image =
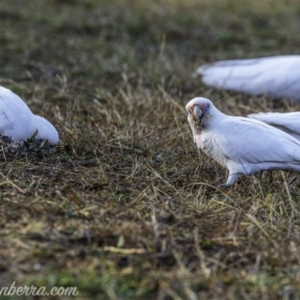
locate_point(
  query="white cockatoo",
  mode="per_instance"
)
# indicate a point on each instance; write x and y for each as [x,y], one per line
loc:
[19,123]
[288,122]
[244,146]
[276,76]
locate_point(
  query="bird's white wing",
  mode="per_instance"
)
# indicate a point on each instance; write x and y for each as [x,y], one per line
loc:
[9,101]
[277,76]
[289,122]
[247,140]
[15,115]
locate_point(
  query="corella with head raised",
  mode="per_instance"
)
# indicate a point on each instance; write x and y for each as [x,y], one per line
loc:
[244,146]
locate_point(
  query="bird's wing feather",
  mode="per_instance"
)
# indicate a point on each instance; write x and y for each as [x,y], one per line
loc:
[290,122]
[15,115]
[247,140]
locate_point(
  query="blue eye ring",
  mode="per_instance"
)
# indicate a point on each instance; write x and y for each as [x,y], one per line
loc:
[207,109]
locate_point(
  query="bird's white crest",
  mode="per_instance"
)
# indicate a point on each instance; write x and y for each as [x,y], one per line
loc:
[244,146]
[277,76]
[19,123]
[288,122]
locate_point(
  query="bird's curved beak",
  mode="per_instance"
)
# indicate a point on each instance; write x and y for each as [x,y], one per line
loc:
[195,113]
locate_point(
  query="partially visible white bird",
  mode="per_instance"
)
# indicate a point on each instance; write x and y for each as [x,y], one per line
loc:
[288,122]
[244,146]
[276,76]
[19,123]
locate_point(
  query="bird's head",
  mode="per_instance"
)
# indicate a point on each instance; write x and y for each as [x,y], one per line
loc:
[199,112]
[45,130]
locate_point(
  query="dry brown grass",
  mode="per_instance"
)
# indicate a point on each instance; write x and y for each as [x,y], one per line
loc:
[127,208]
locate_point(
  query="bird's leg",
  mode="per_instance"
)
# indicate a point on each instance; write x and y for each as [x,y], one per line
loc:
[270,173]
[231,180]
[258,175]
[223,186]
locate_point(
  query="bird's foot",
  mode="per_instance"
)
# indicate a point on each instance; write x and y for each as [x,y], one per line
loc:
[223,186]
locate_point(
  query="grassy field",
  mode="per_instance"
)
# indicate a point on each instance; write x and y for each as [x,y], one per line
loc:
[127,208]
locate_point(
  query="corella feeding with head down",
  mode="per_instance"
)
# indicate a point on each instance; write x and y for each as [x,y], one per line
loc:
[244,146]
[19,123]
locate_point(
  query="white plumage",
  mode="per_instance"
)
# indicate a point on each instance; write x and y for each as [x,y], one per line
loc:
[19,123]
[244,146]
[288,122]
[277,76]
